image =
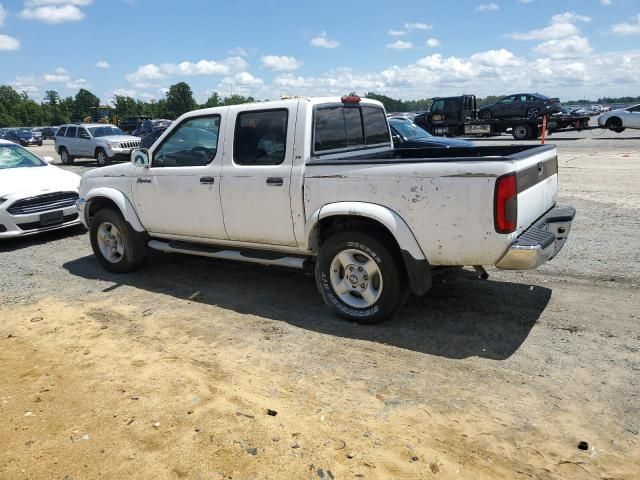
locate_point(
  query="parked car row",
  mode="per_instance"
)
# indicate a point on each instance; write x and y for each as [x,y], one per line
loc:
[22,136]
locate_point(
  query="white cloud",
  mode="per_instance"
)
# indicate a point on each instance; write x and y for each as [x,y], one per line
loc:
[561,26]
[149,72]
[570,17]
[323,41]
[433,42]
[3,15]
[238,52]
[397,33]
[77,84]
[627,28]
[280,63]
[102,64]
[60,75]
[400,45]
[146,72]
[417,26]
[53,13]
[487,7]
[606,3]
[568,47]
[9,43]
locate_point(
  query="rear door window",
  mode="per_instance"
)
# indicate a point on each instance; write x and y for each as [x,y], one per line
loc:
[71,132]
[261,137]
[61,131]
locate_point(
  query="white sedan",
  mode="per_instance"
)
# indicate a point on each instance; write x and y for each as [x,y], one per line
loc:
[618,120]
[34,196]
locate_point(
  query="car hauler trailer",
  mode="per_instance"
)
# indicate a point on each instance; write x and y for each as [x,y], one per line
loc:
[456,116]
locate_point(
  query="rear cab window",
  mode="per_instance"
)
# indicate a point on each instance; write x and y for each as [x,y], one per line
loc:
[342,127]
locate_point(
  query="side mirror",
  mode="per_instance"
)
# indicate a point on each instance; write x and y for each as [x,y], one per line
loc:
[140,157]
[396,138]
[48,159]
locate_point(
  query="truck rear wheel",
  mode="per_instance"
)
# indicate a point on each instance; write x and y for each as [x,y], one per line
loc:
[521,132]
[359,278]
[117,246]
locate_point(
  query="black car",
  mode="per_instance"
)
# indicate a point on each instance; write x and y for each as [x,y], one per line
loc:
[407,134]
[23,136]
[521,105]
[150,138]
[129,124]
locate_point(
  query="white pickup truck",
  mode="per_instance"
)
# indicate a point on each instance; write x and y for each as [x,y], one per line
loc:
[316,182]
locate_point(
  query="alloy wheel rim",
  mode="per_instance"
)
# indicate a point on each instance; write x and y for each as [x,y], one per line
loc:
[110,242]
[356,278]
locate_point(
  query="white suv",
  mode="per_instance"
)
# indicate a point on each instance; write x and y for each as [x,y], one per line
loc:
[103,142]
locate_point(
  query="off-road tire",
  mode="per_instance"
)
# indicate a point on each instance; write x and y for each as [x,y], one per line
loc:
[134,243]
[394,291]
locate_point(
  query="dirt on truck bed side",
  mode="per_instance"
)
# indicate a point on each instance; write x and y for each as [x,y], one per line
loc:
[204,369]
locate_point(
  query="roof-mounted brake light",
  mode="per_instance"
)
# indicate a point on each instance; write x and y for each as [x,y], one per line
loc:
[351,98]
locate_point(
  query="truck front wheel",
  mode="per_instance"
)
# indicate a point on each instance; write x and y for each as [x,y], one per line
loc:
[117,246]
[359,278]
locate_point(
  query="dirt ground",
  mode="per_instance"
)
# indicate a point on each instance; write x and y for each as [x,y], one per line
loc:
[202,369]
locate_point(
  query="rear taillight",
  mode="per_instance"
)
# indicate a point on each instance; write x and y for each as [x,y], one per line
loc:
[506,204]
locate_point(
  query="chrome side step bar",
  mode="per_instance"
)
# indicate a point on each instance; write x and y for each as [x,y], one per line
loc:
[252,256]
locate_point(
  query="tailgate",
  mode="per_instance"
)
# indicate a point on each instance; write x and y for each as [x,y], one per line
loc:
[537,183]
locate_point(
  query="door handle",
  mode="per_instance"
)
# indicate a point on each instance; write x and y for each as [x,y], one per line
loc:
[275,181]
[207,180]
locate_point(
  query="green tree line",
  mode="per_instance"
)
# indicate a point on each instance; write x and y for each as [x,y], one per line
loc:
[20,110]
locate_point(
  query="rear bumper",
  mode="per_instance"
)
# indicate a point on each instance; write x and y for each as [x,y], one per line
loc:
[541,242]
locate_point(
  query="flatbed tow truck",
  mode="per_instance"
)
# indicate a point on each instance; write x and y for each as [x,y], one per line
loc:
[457,116]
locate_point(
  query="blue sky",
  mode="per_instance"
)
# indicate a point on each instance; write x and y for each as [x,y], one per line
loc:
[267,48]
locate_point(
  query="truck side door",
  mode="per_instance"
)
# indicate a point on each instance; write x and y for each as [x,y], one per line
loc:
[179,193]
[256,175]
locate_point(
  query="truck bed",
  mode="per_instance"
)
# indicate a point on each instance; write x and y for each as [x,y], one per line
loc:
[505,153]
[444,195]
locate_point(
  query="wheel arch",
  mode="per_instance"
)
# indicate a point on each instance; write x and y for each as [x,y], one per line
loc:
[110,197]
[344,215]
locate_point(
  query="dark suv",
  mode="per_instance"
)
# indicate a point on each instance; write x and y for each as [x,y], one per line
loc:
[521,105]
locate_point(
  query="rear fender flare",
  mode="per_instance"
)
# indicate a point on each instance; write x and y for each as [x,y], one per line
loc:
[121,201]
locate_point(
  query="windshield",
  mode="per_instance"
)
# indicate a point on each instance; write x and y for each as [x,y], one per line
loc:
[14,156]
[105,131]
[409,130]
[25,131]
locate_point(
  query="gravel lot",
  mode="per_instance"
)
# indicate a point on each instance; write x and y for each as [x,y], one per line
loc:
[134,376]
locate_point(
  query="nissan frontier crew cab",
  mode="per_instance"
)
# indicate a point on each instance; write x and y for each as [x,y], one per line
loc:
[316,182]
